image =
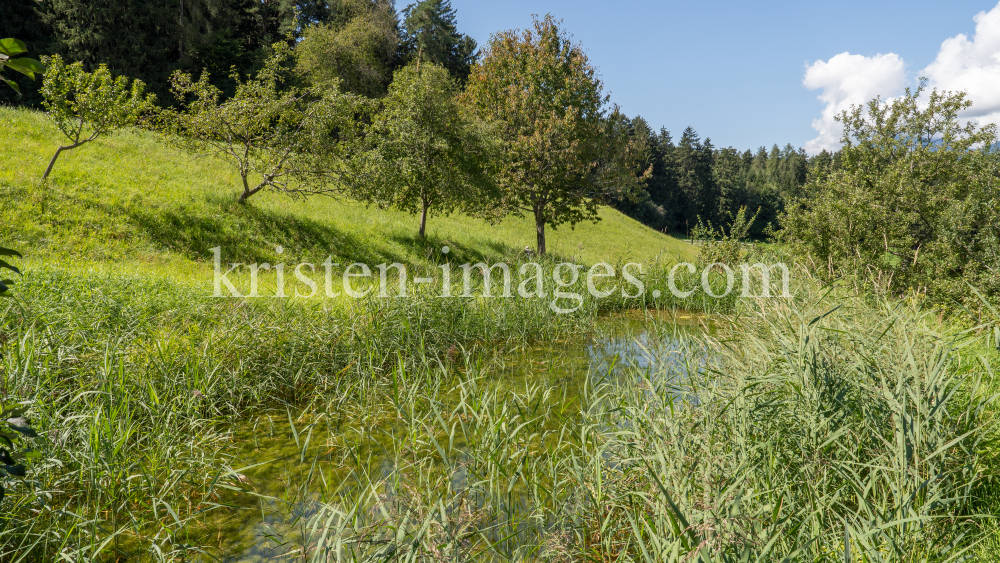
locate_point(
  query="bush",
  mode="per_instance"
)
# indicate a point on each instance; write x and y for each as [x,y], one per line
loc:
[915,202]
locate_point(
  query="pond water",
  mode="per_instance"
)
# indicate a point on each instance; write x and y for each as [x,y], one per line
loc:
[278,528]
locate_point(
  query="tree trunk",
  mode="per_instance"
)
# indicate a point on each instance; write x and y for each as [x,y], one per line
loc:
[53,162]
[247,192]
[423,221]
[540,232]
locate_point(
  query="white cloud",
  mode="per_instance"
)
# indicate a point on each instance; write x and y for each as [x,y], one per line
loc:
[962,64]
[848,80]
[972,66]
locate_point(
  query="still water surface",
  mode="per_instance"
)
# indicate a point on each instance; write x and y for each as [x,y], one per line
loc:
[646,344]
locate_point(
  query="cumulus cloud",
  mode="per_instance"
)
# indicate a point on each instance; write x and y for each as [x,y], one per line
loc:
[962,64]
[972,66]
[848,80]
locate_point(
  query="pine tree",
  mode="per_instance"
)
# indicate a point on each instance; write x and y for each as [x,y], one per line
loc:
[640,205]
[431,34]
[135,39]
[149,39]
[695,187]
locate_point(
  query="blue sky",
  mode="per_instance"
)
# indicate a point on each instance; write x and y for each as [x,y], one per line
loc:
[734,70]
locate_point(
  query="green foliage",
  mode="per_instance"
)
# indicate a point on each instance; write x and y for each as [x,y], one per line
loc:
[546,102]
[21,21]
[277,136]
[9,51]
[693,161]
[149,40]
[134,39]
[5,254]
[692,179]
[431,34]
[915,201]
[356,49]
[85,105]
[730,248]
[763,181]
[428,155]
[14,452]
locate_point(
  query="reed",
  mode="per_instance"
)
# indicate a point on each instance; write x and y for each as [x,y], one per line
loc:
[835,427]
[833,430]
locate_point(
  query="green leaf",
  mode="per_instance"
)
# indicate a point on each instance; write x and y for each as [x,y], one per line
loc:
[11,410]
[14,470]
[11,47]
[26,66]
[10,267]
[12,84]
[21,425]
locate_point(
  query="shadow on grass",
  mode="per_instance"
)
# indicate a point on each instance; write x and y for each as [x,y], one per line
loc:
[430,247]
[247,233]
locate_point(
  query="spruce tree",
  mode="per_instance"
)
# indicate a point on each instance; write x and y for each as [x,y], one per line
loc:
[431,34]
[640,205]
[696,190]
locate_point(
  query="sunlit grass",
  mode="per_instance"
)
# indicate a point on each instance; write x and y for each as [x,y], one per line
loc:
[134,197]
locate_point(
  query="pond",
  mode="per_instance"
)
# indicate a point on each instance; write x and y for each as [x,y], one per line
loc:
[293,448]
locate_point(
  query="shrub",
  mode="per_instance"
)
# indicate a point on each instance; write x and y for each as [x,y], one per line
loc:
[915,202]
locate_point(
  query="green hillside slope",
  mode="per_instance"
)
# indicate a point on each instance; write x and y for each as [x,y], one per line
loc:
[135,201]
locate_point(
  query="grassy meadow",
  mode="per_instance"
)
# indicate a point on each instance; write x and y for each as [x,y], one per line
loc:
[131,198]
[839,425]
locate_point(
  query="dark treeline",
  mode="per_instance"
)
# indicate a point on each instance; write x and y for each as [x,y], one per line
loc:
[691,179]
[150,39]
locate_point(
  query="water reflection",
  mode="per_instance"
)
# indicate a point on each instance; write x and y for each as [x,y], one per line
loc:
[623,351]
[664,353]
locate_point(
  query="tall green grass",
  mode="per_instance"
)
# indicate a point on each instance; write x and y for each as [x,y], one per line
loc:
[835,425]
[830,429]
[137,384]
